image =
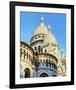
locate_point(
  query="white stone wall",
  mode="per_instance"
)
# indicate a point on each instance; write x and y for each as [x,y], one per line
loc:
[26,59]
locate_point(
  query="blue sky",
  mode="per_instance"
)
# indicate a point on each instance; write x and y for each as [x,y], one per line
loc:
[29,21]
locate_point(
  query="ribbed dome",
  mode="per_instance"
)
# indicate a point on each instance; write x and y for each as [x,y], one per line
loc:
[41,29]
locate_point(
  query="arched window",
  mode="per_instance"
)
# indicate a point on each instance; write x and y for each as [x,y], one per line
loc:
[43,36]
[46,63]
[44,75]
[35,37]
[39,48]
[27,55]
[54,75]
[35,48]
[27,73]
[24,54]
[45,50]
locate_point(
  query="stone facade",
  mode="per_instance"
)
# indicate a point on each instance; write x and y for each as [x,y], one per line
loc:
[43,57]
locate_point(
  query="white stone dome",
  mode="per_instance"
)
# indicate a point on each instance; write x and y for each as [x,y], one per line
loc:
[41,29]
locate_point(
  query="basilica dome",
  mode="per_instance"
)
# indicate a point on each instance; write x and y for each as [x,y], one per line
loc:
[41,29]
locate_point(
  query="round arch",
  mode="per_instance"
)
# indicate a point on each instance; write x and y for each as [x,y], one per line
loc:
[27,73]
[44,75]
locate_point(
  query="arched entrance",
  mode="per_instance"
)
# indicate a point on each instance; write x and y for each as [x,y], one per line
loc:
[43,75]
[27,73]
[54,75]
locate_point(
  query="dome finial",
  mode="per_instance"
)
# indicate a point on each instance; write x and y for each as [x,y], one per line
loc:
[62,50]
[49,27]
[42,21]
